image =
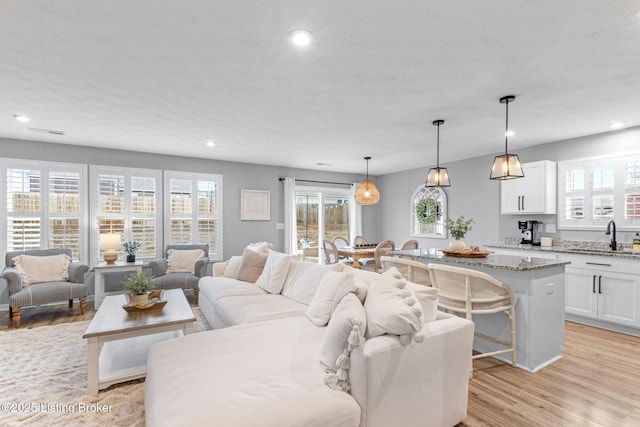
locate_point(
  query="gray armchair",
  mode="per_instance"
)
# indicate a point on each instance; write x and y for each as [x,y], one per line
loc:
[46,292]
[164,280]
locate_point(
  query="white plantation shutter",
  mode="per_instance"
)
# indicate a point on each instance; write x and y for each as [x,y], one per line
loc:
[64,211]
[24,211]
[44,206]
[195,210]
[126,202]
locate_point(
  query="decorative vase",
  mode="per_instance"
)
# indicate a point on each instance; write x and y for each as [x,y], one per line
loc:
[139,300]
[457,244]
[131,258]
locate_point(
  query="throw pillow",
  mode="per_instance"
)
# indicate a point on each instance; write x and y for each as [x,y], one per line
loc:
[393,309]
[303,280]
[319,311]
[260,247]
[233,265]
[251,266]
[353,286]
[344,333]
[428,299]
[183,260]
[274,273]
[426,295]
[38,269]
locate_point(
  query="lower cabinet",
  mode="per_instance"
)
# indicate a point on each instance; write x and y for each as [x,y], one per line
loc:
[595,292]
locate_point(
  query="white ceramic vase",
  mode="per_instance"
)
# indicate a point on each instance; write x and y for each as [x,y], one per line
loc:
[457,244]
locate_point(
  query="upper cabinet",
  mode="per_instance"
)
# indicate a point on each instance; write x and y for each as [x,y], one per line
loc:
[533,194]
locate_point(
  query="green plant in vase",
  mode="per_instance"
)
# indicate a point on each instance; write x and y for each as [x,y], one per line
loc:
[137,286]
[458,229]
[131,247]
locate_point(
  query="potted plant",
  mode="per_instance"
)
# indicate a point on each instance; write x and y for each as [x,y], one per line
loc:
[137,286]
[131,247]
[458,229]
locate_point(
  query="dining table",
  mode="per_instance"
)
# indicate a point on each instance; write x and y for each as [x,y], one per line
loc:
[357,253]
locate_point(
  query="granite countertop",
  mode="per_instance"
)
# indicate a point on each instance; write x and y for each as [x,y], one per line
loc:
[582,248]
[500,262]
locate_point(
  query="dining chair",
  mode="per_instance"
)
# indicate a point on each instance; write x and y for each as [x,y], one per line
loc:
[340,241]
[468,293]
[360,240]
[330,252]
[381,250]
[410,244]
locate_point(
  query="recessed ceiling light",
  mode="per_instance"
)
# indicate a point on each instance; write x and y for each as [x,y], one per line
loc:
[324,164]
[211,143]
[510,133]
[616,125]
[300,37]
[20,118]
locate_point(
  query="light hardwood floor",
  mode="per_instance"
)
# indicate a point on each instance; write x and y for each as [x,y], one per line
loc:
[596,383]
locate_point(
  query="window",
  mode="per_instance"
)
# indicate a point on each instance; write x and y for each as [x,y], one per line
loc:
[44,206]
[594,191]
[433,203]
[194,204]
[127,201]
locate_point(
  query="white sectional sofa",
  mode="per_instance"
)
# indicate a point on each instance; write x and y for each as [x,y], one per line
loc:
[260,366]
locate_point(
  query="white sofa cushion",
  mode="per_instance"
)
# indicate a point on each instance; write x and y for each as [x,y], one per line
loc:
[392,308]
[38,269]
[302,280]
[319,310]
[262,374]
[344,333]
[232,267]
[236,310]
[274,272]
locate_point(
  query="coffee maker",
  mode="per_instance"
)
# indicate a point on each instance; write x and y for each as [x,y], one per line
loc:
[530,232]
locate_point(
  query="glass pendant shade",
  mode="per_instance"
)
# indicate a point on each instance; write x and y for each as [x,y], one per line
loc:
[438,177]
[506,166]
[367,193]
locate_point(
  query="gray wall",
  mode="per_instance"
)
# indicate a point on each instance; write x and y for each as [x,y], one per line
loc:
[472,194]
[236,176]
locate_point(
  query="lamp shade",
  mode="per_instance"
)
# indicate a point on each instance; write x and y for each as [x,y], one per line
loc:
[438,177]
[367,193]
[506,166]
[109,242]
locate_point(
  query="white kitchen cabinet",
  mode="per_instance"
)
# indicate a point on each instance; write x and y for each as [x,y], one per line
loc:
[533,194]
[598,290]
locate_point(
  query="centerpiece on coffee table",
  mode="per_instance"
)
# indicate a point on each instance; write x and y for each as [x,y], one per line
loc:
[141,293]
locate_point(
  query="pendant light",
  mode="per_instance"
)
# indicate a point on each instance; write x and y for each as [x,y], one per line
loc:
[506,166]
[367,193]
[438,177]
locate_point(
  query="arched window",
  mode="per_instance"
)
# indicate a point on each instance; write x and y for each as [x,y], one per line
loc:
[428,212]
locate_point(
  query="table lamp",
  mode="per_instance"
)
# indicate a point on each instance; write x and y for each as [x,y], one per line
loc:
[109,243]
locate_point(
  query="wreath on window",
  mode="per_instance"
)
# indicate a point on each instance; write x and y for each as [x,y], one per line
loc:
[427,211]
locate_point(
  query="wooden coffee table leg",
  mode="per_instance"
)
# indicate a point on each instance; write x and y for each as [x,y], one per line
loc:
[92,365]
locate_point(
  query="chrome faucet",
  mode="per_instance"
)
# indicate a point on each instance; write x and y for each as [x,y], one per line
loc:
[613,245]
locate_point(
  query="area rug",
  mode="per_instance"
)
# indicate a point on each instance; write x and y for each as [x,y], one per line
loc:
[43,378]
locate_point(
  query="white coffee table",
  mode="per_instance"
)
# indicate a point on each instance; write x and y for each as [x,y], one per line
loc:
[126,338]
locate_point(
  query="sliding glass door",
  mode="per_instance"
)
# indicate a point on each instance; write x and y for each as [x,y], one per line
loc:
[321,214]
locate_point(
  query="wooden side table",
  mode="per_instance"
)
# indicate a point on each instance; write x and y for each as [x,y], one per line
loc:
[102,267]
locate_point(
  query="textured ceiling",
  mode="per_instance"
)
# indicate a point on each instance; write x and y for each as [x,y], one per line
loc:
[165,76]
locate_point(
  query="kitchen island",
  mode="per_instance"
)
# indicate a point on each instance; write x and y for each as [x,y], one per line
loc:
[538,287]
